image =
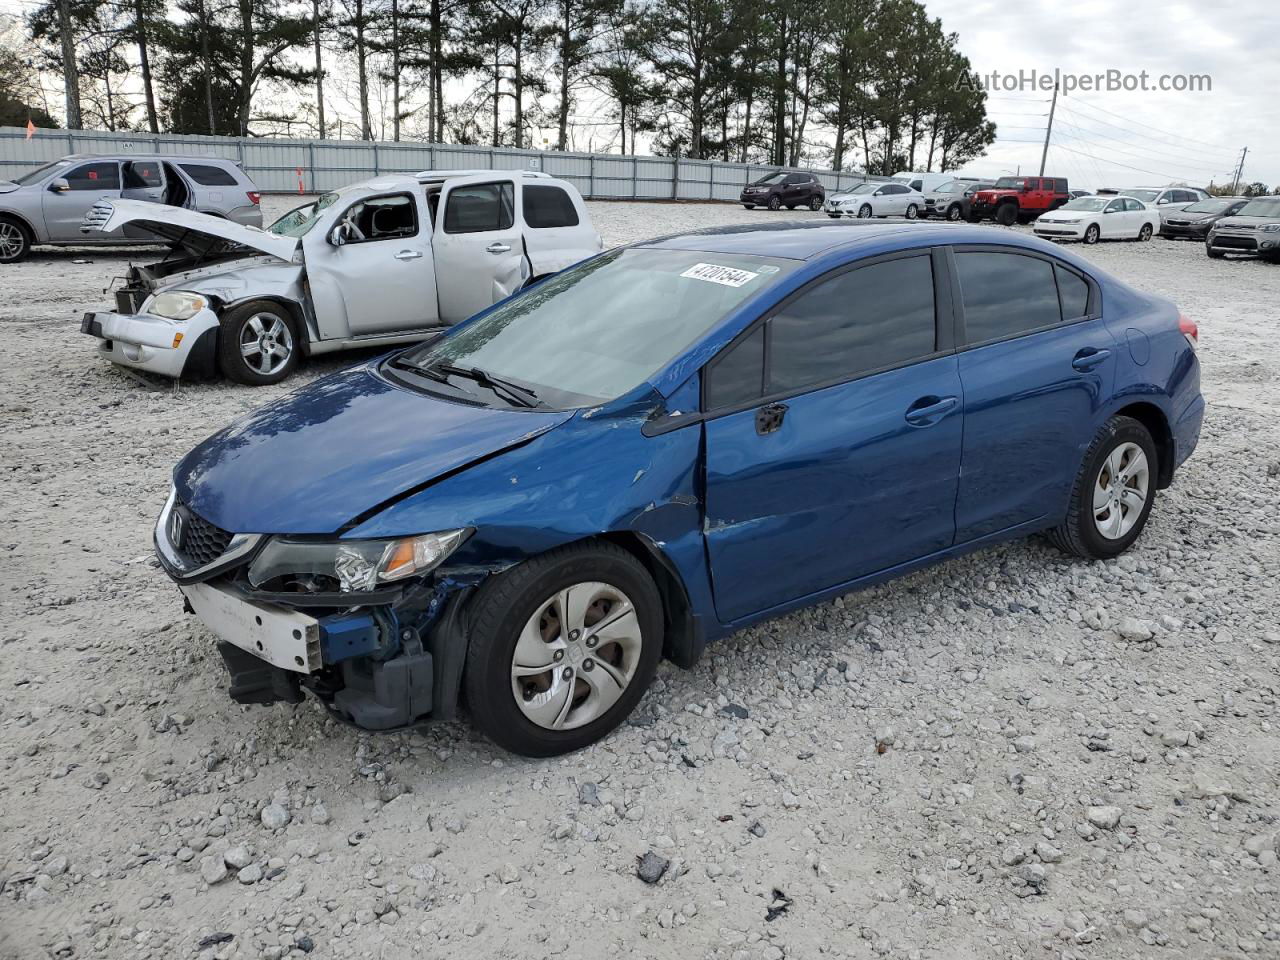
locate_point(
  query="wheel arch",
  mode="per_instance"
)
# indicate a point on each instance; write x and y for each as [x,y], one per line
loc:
[684,638]
[1157,424]
[23,222]
[294,308]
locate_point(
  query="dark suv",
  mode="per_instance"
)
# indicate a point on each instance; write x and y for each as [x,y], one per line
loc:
[780,189]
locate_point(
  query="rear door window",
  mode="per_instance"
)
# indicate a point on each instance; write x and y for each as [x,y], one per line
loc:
[547,206]
[142,173]
[1005,294]
[103,175]
[479,207]
[208,175]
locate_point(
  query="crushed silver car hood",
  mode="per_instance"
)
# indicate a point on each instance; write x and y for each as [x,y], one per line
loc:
[197,234]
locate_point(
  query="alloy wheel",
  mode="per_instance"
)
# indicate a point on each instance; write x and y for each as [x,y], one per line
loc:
[864,213]
[12,240]
[576,656]
[1121,490]
[265,343]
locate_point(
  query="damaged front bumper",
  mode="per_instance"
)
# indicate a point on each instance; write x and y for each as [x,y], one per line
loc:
[382,660]
[142,341]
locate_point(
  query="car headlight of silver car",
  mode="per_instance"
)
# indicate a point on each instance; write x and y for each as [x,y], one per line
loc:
[1270,228]
[354,566]
[177,304]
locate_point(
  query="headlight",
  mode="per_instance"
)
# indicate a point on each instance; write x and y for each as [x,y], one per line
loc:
[1270,228]
[1076,220]
[177,305]
[352,566]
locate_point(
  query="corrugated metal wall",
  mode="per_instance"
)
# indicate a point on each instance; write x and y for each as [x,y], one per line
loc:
[277,166]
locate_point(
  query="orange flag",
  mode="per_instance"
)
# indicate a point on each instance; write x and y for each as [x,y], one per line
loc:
[31,129]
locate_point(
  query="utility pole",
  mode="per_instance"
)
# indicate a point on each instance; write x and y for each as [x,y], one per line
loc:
[1235,184]
[315,10]
[70,71]
[1053,104]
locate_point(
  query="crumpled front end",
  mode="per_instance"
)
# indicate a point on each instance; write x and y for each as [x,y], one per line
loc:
[143,341]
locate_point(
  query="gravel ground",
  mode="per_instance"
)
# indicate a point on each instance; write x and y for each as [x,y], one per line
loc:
[1011,754]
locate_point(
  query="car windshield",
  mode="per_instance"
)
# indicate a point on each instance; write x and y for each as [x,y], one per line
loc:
[1208,206]
[1146,196]
[771,178]
[600,329]
[301,219]
[865,188]
[39,173]
[955,186]
[1262,207]
[1010,183]
[1086,203]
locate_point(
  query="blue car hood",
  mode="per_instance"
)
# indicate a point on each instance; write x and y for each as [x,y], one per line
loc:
[338,449]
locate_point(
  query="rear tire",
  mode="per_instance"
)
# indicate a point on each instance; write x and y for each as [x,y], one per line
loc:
[501,615]
[1006,214]
[912,211]
[1091,509]
[15,240]
[1145,233]
[815,203]
[258,343]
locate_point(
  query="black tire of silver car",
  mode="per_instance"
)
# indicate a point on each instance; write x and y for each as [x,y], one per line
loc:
[912,211]
[15,241]
[815,203]
[1113,492]
[954,212]
[864,212]
[257,343]
[1145,233]
[545,707]
[775,202]
[1007,214]
[1092,233]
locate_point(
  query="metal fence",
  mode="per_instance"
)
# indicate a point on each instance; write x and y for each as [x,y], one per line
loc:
[285,166]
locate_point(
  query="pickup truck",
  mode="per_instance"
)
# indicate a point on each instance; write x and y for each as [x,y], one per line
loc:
[382,262]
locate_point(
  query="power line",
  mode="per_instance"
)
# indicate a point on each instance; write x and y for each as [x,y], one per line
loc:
[1178,136]
[1213,161]
[1198,168]
[1117,163]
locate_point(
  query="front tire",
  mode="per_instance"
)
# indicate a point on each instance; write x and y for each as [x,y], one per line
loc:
[953,212]
[1006,214]
[15,241]
[1092,233]
[258,343]
[864,212]
[1113,492]
[562,648]
[775,203]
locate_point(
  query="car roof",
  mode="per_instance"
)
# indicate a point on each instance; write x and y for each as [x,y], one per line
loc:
[147,156]
[808,239]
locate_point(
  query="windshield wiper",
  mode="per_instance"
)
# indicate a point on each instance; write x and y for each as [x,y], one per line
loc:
[521,396]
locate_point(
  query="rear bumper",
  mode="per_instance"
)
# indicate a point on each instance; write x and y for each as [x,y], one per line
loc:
[142,341]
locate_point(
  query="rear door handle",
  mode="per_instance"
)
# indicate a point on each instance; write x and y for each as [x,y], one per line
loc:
[1089,358]
[409,255]
[927,411]
[498,247]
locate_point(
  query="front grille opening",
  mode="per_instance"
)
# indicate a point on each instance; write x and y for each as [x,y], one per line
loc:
[203,542]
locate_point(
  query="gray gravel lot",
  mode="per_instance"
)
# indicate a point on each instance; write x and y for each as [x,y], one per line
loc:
[1013,754]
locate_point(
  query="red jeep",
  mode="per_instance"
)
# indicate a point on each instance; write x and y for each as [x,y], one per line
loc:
[1018,199]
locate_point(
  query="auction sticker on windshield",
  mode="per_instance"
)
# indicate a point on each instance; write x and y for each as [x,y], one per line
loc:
[715,273]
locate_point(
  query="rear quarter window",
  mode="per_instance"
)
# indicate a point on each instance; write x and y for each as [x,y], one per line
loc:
[208,175]
[547,206]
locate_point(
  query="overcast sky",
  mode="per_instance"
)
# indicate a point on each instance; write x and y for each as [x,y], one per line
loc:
[1169,136]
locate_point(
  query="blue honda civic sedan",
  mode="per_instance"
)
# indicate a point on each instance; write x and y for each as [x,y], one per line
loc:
[664,444]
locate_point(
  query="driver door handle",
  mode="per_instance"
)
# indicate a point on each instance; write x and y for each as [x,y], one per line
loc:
[409,255]
[927,411]
[498,247]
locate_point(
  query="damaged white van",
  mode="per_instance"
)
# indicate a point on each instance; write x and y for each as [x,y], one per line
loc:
[382,262]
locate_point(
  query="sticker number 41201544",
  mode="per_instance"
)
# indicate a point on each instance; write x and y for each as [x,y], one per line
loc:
[715,273]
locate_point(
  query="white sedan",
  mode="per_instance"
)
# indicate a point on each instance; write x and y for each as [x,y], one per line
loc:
[877,200]
[1099,218]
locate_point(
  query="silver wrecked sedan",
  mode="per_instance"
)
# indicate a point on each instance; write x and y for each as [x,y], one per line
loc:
[47,205]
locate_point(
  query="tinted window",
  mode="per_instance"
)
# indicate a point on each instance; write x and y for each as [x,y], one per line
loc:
[484,206]
[917,184]
[737,375]
[143,173]
[381,218]
[862,320]
[95,176]
[1061,186]
[208,175]
[548,207]
[1005,294]
[1074,293]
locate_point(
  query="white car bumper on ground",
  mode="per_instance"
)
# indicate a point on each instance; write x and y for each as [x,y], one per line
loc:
[172,348]
[1057,230]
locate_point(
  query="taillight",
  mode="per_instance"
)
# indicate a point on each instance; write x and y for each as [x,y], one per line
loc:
[1189,330]
[254,197]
